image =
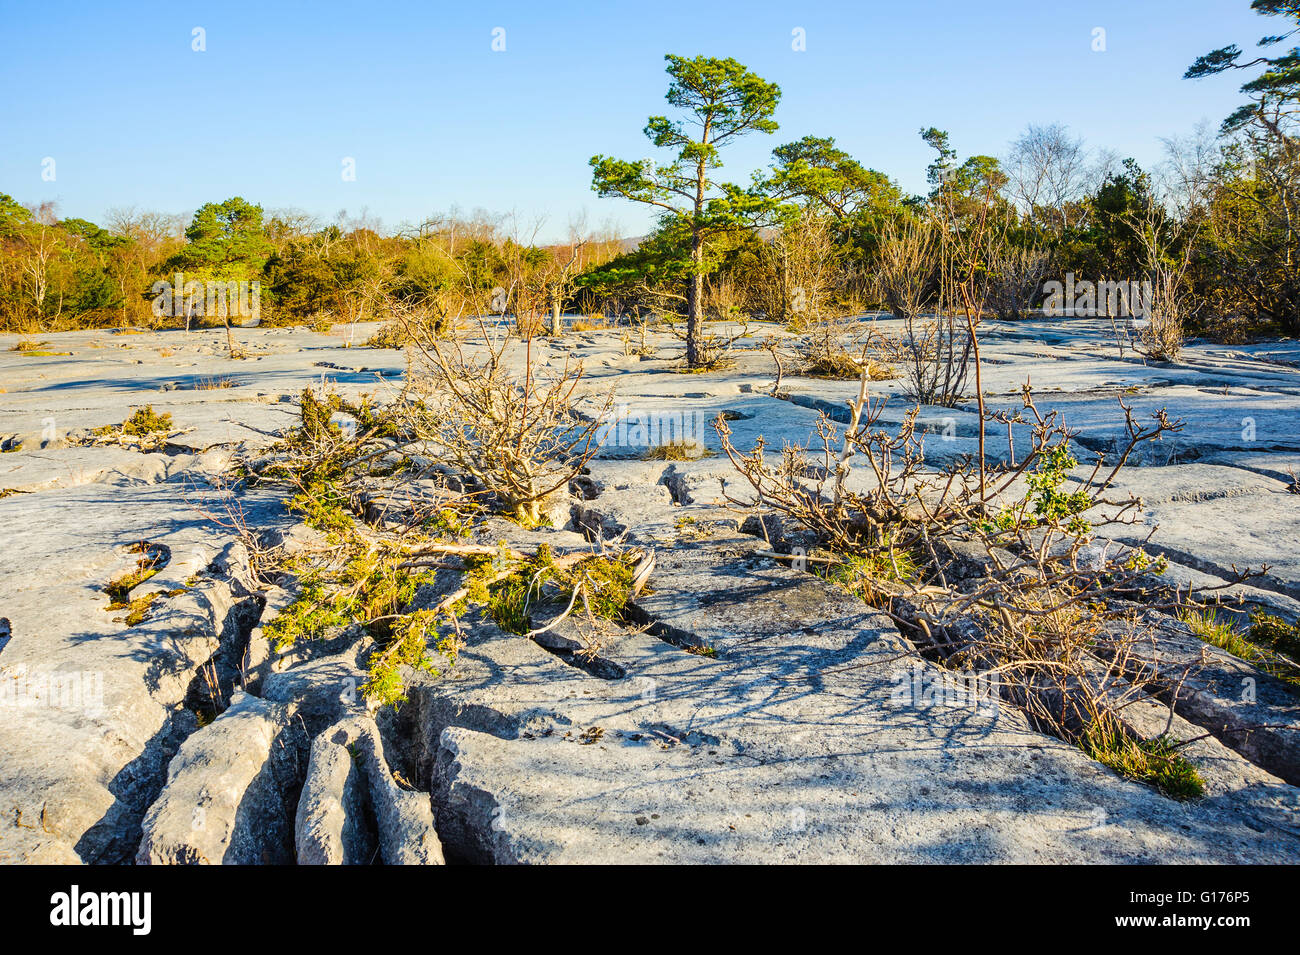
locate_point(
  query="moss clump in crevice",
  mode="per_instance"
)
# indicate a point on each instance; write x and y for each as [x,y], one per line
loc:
[137,608]
[1275,633]
[1155,762]
[679,450]
[146,421]
[119,589]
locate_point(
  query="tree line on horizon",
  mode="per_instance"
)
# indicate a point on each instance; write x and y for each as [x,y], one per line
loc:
[817,233]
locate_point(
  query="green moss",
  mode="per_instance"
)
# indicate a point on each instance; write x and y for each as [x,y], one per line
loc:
[316,412]
[119,589]
[1275,633]
[369,418]
[383,588]
[138,609]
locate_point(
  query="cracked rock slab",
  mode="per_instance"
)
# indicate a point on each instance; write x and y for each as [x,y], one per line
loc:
[802,739]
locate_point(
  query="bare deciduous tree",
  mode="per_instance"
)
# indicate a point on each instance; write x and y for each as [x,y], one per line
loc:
[908,261]
[1046,173]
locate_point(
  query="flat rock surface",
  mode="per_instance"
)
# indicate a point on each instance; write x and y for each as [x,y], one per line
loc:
[763,716]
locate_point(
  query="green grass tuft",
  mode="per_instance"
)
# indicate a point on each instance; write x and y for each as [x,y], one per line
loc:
[1153,761]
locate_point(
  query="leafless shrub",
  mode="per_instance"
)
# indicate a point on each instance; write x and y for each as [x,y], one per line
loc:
[1047,173]
[514,431]
[713,350]
[1168,258]
[799,272]
[642,348]
[908,261]
[993,568]
[1161,336]
[1015,274]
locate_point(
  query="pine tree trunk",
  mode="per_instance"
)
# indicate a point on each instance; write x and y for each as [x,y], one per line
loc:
[695,305]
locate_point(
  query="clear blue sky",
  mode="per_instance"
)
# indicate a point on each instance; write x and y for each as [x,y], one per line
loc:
[434,118]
